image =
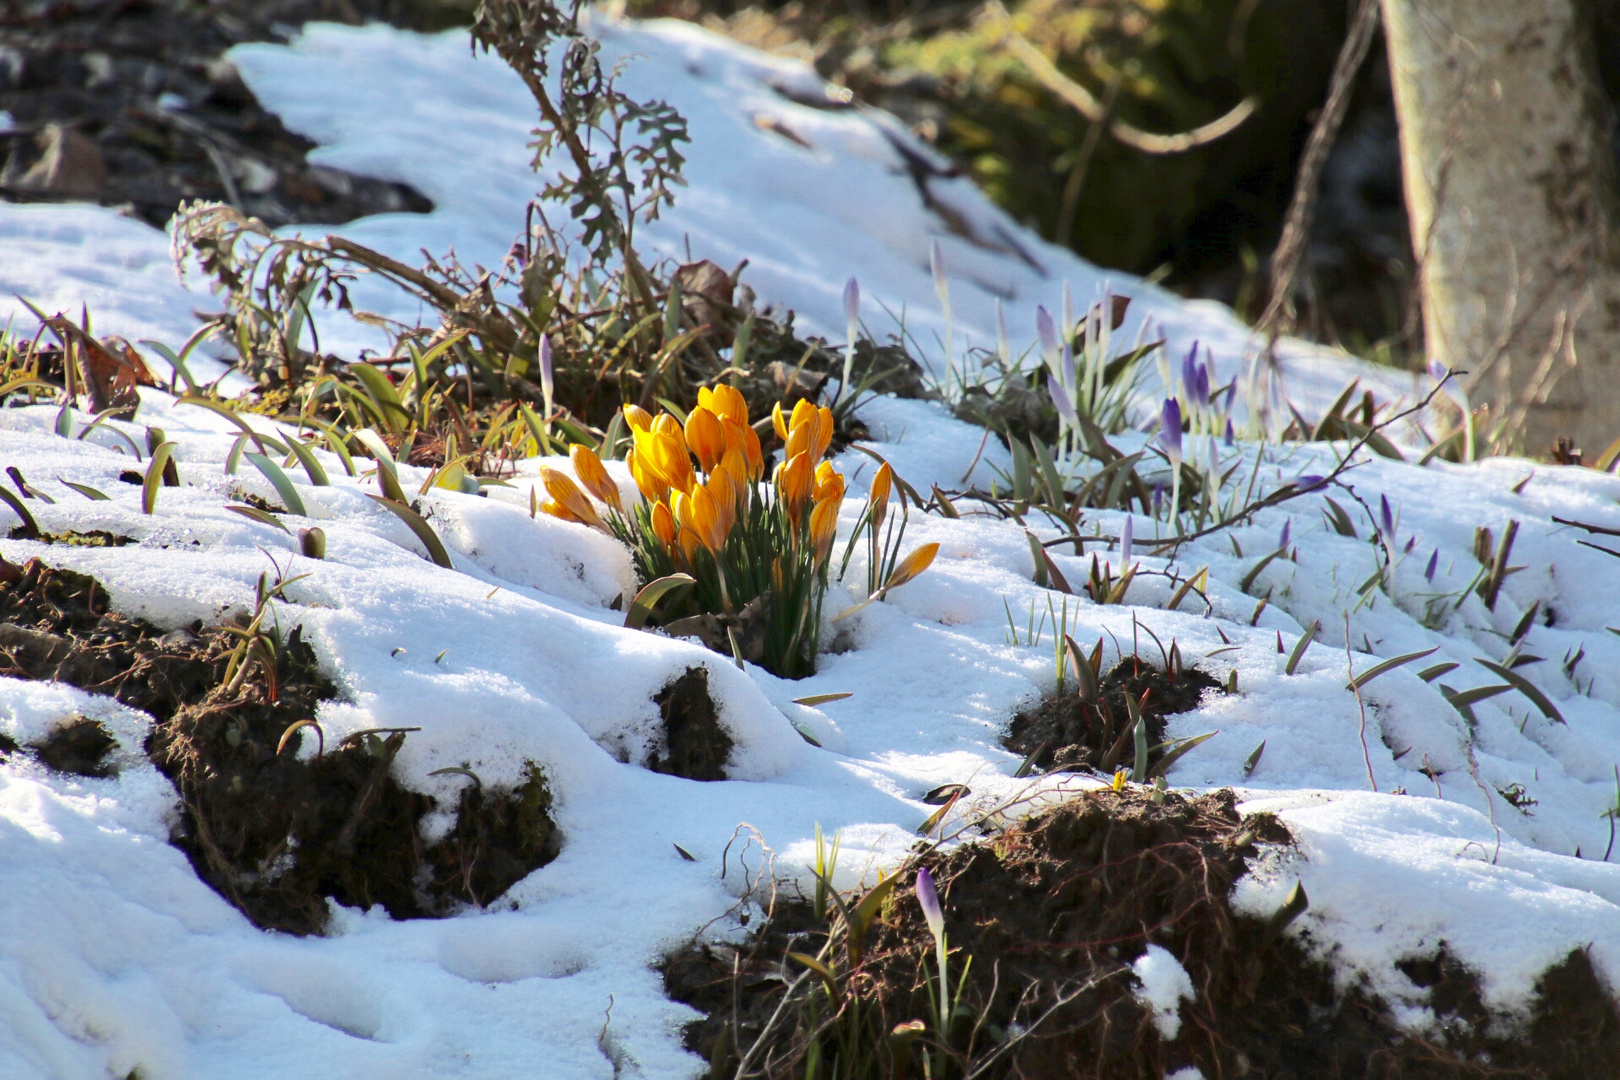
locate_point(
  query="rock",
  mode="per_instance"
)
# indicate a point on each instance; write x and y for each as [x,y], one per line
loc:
[70,165]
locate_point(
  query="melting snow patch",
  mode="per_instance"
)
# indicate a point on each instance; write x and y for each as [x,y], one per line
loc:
[1165,985]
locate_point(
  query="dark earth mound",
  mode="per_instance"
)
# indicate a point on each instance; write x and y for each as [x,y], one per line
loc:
[275,834]
[1053,911]
[130,103]
[695,744]
[1066,733]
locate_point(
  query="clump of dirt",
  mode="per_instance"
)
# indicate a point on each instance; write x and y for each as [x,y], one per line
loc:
[274,834]
[80,746]
[1068,733]
[695,744]
[1052,913]
[92,538]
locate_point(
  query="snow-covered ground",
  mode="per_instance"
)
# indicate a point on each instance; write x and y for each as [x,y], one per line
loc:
[118,958]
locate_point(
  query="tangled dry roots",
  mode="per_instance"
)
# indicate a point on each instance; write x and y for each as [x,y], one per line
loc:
[275,834]
[1054,910]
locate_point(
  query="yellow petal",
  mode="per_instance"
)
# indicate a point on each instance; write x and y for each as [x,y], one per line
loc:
[793,481]
[663,524]
[638,418]
[912,565]
[706,519]
[779,422]
[878,500]
[706,437]
[730,404]
[562,489]
[803,413]
[823,528]
[824,433]
[594,475]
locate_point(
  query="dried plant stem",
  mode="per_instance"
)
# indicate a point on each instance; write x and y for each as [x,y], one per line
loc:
[1361,704]
[1297,223]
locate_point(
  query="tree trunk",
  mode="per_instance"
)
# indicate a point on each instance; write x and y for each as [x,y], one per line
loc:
[1507,147]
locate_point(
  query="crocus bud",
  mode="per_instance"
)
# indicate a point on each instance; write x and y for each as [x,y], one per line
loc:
[936,263]
[1003,342]
[928,900]
[852,306]
[1282,537]
[1386,517]
[548,374]
[1060,399]
[1434,562]
[1046,331]
[1125,538]
[1170,431]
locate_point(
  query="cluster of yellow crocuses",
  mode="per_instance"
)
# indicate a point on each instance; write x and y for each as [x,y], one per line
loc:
[693,507]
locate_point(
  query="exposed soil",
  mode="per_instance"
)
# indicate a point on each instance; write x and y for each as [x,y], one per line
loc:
[695,745]
[274,834]
[1053,912]
[1067,733]
[79,746]
[130,103]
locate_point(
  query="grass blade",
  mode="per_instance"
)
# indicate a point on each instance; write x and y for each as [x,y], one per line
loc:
[822,699]
[1300,646]
[154,475]
[1253,759]
[641,608]
[1162,766]
[424,532]
[1388,665]
[30,527]
[87,491]
[263,517]
[312,468]
[281,482]
[1139,773]
[264,442]
[1528,689]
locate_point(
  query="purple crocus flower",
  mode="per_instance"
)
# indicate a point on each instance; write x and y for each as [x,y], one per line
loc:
[1437,370]
[1386,517]
[1068,364]
[1201,387]
[1231,436]
[1003,342]
[548,374]
[1411,542]
[852,306]
[1434,563]
[928,900]
[1046,330]
[1189,372]
[1310,482]
[1282,538]
[1125,543]
[1158,496]
[1170,431]
[936,263]
[1060,398]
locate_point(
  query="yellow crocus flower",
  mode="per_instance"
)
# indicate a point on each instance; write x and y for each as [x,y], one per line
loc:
[793,482]
[594,475]
[638,418]
[706,437]
[823,528]
[663,524]
[562,489]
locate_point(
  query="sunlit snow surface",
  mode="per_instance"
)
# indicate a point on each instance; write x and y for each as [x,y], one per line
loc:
[117,957]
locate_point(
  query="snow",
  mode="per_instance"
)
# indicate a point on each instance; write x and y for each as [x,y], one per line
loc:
[119,958]
[1165,984]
